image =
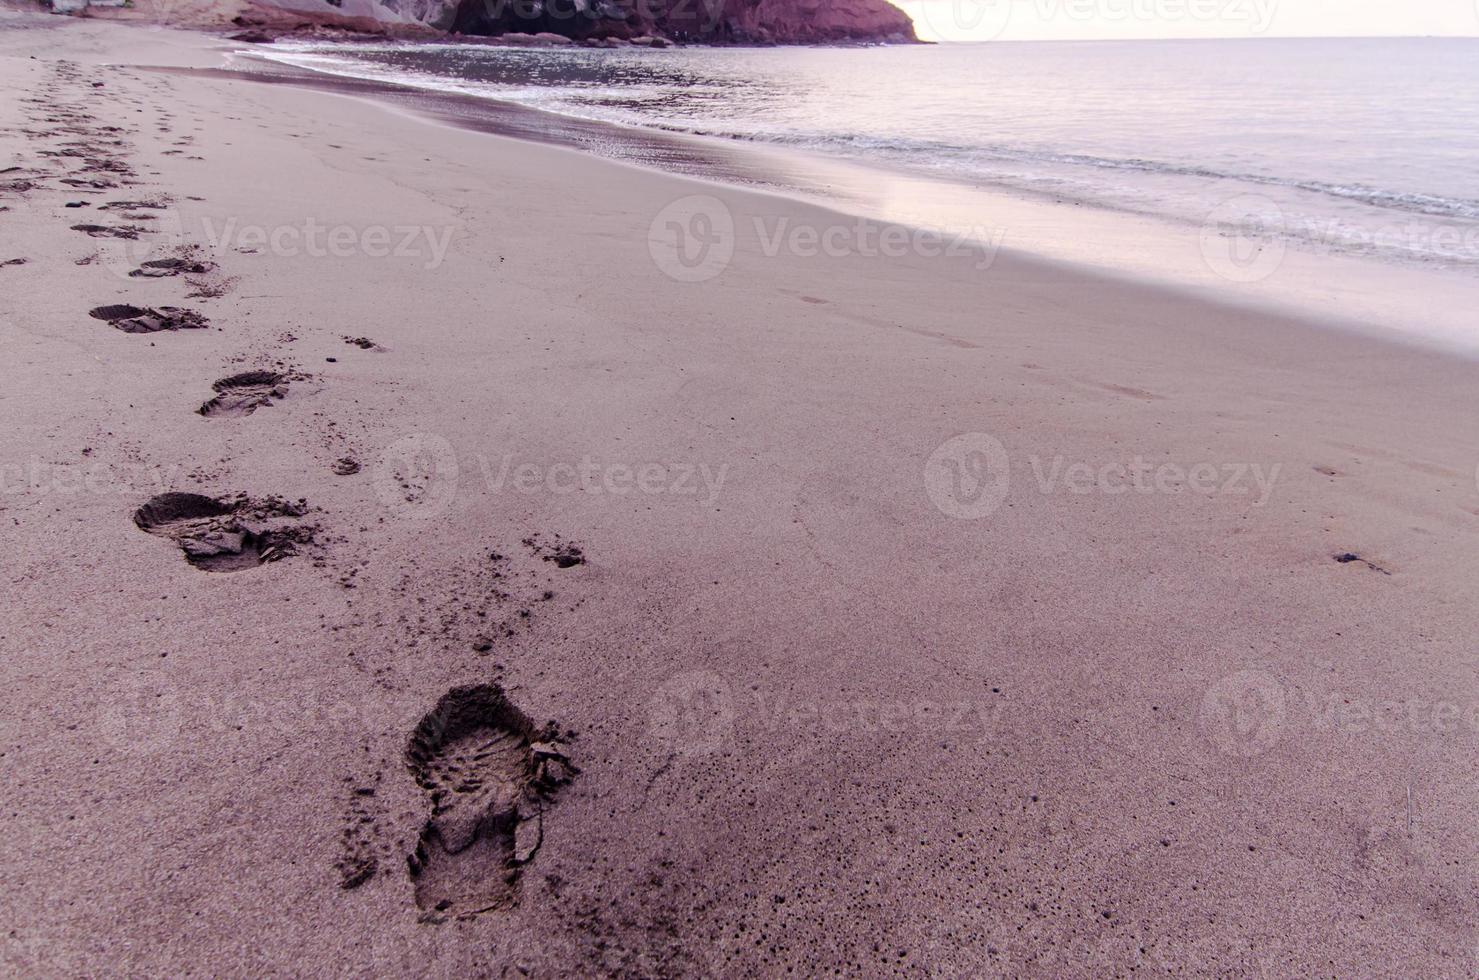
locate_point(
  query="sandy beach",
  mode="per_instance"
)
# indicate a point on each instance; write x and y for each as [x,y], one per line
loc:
[549,603]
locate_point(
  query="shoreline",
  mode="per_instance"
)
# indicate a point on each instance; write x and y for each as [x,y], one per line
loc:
[1116,700]
[1408,302]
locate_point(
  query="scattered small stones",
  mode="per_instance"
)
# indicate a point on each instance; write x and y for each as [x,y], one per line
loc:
[347,466]
[565,554]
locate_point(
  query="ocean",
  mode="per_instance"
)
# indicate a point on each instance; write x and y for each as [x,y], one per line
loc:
[1356,150]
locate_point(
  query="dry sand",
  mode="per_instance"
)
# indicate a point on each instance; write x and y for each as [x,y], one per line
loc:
[842,698]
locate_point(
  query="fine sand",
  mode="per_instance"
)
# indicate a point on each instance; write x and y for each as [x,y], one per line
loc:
[406,574]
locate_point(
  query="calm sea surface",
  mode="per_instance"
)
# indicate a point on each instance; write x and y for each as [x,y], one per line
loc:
[1362,148]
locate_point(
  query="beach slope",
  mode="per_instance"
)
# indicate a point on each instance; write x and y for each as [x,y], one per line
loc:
[440,568]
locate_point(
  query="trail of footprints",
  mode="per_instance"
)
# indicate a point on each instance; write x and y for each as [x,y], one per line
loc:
[215,534]
[487,774]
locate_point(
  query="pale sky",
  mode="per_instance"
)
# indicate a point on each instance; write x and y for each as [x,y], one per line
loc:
[1025,20]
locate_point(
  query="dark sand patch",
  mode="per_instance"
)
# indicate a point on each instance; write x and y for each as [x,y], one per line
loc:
[1351,558]
[564,554]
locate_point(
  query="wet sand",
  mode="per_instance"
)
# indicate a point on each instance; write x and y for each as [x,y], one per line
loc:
[537,610]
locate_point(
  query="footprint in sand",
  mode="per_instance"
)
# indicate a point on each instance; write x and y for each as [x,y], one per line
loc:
[141,319]
[160,268]
[129,232]
[242,394]
[227,535]
[153,204]
[487,774]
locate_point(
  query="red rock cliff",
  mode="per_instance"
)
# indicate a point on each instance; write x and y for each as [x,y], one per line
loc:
[791,22]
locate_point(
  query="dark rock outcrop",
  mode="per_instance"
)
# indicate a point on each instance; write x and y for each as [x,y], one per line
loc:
[647,22]
[692,21]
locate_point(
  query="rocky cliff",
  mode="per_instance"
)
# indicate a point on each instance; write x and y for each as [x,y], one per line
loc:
[697,21]
[690,21]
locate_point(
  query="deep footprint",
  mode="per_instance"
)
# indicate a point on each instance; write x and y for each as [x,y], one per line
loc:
[160,268]
[243,394]
[226,535]
[141,319]
[488,775]
[103,231]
